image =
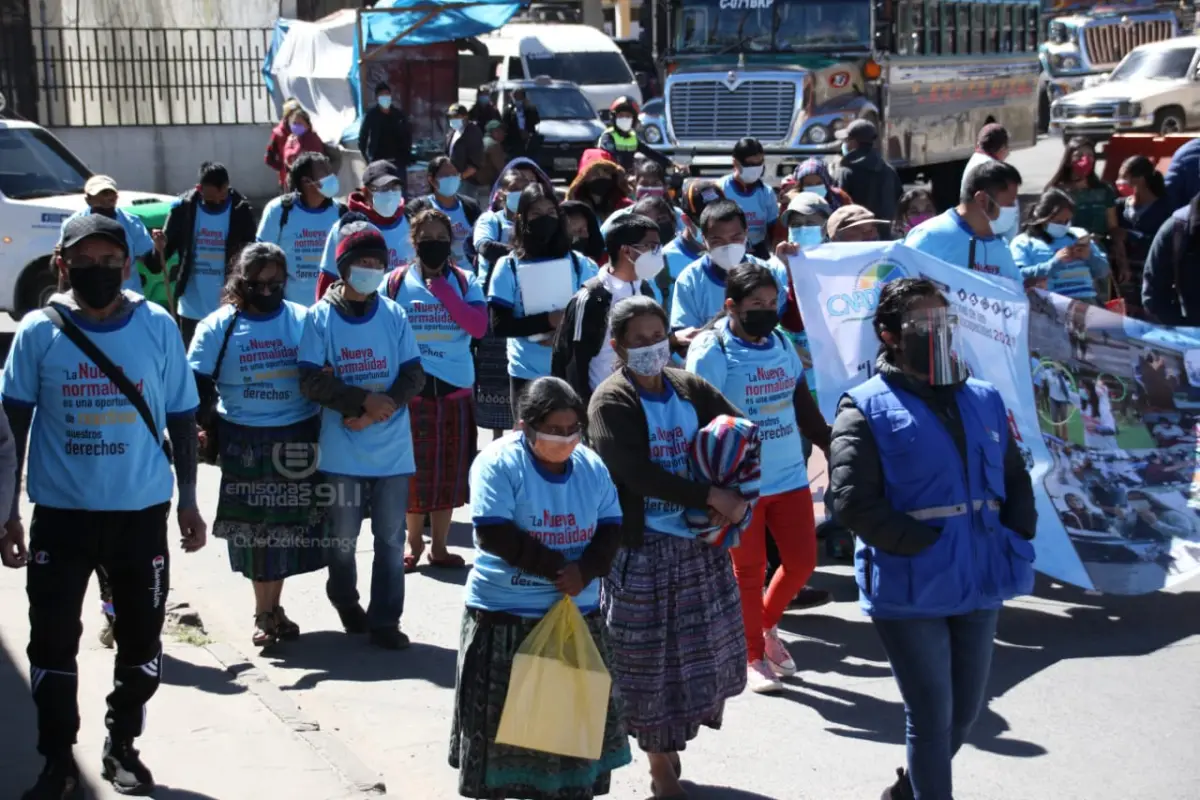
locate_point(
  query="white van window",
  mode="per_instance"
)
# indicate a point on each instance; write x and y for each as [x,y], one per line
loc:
[586,69]
[34,164]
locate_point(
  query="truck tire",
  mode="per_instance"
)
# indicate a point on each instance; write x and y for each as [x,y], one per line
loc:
[1169,120]
[34,288]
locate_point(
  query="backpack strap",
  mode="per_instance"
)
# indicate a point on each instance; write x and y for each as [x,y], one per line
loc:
[285,206]
[225,344]
[62,320]
[396,280]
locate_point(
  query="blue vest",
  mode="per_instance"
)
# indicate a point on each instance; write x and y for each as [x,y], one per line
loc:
[976,563]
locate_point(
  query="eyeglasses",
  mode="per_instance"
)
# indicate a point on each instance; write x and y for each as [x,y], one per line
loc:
[656,249]
[267,286]
[558,430]
[82,262]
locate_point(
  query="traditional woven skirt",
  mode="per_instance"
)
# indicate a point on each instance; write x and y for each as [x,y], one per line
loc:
[487,645]
[492,407]
[273,523]
[675,626]
[444,442]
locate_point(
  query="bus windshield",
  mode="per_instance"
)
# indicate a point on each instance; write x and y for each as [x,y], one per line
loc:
[771,26]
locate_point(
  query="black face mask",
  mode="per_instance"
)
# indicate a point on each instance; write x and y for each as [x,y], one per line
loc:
[580,244]
[540,233]
[433,253]
[916,352]
[111,213]
[95,286]
[759,322]
[666,232]
[268,302]
[600,187]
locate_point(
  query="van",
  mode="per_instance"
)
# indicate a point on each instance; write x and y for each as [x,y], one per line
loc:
[579,54]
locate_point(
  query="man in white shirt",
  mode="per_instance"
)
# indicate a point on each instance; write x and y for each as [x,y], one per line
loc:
[990,145]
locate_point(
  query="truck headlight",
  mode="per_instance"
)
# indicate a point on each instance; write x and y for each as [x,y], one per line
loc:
[818,134]
[1127,109]
[653,134]
[1069,62]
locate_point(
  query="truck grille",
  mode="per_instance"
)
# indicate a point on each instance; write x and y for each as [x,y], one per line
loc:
[1108,44]
[710,111]
[1105,111]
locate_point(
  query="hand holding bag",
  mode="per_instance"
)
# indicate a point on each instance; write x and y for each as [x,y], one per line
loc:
[209,449]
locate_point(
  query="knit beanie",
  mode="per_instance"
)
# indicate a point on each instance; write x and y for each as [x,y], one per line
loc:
[357,241]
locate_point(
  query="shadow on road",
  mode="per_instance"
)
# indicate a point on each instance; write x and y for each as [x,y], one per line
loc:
[1029,640]
[697,791]
[213,680]
[332,655]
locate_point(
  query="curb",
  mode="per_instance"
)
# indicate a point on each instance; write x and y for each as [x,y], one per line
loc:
[364,780]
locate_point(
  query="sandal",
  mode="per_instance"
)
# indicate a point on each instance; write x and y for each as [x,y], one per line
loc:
[410,563]
[448,561]
[266,631]
[286,629]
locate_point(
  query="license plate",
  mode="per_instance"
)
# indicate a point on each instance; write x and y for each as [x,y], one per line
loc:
[566,164]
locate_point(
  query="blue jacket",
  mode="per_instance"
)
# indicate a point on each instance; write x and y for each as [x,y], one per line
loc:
[976,562]
[1183,176]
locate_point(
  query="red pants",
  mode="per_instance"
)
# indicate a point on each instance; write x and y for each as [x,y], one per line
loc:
[790,517]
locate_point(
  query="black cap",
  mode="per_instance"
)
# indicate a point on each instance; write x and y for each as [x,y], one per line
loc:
[379,174]
[382,87]
[85,226]
[862,131]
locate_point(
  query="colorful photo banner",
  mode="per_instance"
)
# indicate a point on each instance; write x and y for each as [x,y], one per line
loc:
[1105,409]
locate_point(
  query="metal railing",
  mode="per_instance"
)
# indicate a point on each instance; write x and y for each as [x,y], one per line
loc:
[105,77]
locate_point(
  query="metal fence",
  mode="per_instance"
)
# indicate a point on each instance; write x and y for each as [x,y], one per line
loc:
[105,77]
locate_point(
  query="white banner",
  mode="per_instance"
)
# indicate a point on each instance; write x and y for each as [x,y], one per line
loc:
[1117,510]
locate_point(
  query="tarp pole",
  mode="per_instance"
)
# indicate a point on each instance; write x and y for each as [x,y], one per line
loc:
[362,54]
[654,32]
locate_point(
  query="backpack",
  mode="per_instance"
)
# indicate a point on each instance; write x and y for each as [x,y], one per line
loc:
[396,280]
[286,204]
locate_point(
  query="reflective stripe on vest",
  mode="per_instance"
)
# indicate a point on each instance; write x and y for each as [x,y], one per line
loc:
[945,512]
[627,142]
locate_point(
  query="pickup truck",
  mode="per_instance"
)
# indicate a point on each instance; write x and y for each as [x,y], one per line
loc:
[1155,89]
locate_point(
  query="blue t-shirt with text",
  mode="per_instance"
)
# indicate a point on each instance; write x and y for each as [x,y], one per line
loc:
[760,379]
[397,235]
[492,226]
[136,236]
[757,202]
[561,511]
[88,446]
[699,292]
[445,346]
[259,382]
[672,424]
[370,352]
[948,237]
[529,357]
[202,295]
[302,239]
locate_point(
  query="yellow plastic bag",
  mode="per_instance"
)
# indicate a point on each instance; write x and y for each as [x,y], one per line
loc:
[558,691]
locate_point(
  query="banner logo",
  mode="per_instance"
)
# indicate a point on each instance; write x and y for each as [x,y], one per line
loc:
[860,303]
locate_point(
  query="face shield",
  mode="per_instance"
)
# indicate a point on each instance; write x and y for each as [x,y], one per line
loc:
[927,346]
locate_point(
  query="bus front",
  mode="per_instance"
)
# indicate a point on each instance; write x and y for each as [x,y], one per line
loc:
[789,73]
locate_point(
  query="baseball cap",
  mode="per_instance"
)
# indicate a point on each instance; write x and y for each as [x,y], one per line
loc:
[807,203]
[846,217]
[380,173]
[860,130]
[98,184]
[698,195]
[86,226]
[457,110]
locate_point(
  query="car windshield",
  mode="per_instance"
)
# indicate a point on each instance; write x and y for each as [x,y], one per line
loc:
[585,69]
[762,26]
[34,164]
[560,103]
[1164,65]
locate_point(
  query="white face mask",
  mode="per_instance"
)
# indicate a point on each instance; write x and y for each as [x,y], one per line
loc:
[1006,221]
[365,280]
[386,204]
[649,361]
[1057,229]
[750,174]
[649,264]
[625,124]
[728,256]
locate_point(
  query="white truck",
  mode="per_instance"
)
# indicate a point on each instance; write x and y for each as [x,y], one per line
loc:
[41,184]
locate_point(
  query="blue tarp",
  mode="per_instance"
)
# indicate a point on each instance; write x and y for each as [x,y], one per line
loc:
[458,19]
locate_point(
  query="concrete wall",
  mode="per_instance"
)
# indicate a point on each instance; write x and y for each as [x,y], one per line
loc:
[166,158]
[162,13]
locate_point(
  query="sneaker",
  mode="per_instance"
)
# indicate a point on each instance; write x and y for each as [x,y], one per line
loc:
[59,781]
[760,678]
[107,637]
[354,619]
[810,598]
[389,638]
[776,654]
[123,768]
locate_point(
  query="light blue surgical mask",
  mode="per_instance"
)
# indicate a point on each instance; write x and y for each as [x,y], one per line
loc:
[328,185]
[846,149]
[386,204]
[820,190]
[365,280]
[385,101]
[512,200]
[1057,229]
[448,186]
[806,235]
[456,124]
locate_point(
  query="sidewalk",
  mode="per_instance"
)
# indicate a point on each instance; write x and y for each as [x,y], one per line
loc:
[216,730]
